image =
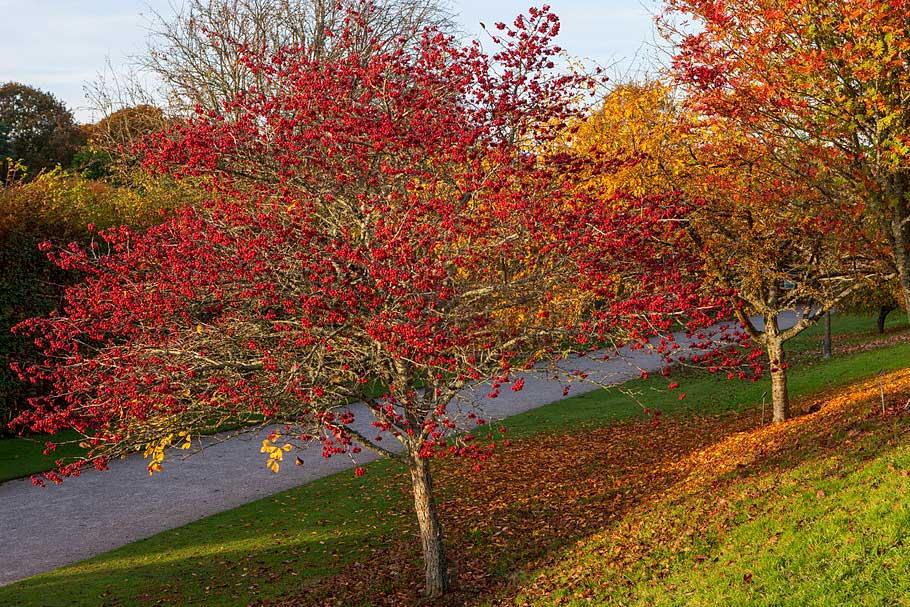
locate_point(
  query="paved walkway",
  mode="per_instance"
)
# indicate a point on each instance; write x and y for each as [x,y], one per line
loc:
[45,528]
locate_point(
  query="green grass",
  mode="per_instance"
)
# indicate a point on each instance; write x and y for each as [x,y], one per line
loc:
[263,549]
[704,393]
[23,456]
[292,540]
[844,546]
[824,521]
[812,535]
[846,330]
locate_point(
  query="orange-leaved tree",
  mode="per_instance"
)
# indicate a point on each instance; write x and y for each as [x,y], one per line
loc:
[637,129]
[765,240]
[773,243]
[829,77]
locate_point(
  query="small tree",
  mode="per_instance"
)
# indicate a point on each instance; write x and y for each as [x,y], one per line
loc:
[879,298]
[768,237]
[764,240]
[395,220]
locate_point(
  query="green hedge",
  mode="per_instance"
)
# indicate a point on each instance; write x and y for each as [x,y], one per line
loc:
[57,206]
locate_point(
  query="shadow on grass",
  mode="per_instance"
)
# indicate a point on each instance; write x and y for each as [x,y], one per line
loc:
[222,577]
[270,547]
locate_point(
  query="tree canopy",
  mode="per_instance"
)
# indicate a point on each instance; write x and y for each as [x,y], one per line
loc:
[828,77]
[37,129]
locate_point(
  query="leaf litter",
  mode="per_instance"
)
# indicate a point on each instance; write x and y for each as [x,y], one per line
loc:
[639,496]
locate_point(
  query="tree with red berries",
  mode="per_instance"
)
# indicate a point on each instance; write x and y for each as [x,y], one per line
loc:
[387,228]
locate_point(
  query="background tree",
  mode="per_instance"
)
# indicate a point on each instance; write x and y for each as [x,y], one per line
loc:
[6,146]
[198,53]
[634,152]
[766,237]
[765,240]
[879,298]
[831,77]
[39,130]
[196,57]
[639,124]
[112,141]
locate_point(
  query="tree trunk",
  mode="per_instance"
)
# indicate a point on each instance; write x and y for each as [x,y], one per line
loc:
[882,315]
[437,578]
[780,397]
[826,346]
[899,243]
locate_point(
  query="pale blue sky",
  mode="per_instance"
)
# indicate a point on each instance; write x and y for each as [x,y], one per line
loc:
[60,45]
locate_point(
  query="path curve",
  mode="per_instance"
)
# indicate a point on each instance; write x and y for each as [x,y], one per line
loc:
[45,528]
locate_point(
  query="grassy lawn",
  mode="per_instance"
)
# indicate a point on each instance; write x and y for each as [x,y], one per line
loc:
[847,330]
[23,456]
[265,548]
[814,512]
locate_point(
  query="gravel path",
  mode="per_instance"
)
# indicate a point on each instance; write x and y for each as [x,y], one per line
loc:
[45,528]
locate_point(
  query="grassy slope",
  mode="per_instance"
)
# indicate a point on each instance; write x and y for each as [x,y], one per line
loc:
[815,512]
[710,394]
[270,547]
[846,330]
[287,543]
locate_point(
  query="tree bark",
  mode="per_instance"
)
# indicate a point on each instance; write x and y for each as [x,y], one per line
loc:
[883,312]
[437,578]
[826,346]
[899,243]
[780,397]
